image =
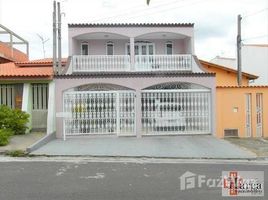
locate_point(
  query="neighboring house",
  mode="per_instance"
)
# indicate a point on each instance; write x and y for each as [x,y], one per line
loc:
[134,80]
[254,60]
[241,111]
[226,76]
[25,84]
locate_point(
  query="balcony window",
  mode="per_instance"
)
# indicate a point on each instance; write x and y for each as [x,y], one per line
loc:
[169,48]
[110,48]
[84,49]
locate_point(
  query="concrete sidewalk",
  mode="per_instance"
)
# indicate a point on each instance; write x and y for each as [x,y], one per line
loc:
[21,142]
[158,147]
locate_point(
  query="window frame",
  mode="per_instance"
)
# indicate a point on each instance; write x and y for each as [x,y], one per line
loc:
[107,44]
[81,48]
[166,49]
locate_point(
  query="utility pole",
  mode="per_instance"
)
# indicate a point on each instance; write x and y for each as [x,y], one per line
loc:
[55,67]
[59,39]
[238,42]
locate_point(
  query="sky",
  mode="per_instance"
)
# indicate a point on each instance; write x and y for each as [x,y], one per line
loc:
[215,20]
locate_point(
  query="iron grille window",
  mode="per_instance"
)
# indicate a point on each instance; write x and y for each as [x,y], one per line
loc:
[7,95]
[40,96]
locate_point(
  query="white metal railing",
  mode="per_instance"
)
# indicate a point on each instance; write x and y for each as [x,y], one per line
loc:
[163,62]
[97,63]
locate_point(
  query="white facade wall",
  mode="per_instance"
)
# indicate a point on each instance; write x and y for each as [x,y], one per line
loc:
[255,61]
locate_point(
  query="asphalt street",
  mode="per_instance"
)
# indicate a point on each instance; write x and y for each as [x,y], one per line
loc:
[83,180]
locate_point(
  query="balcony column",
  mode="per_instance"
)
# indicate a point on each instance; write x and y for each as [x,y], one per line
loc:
[132,53]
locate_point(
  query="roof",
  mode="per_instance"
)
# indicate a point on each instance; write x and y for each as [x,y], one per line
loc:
[41,68]
[256,45]
[11,54]
[245,86]
[84,25]
[39,62]
[249,76]
[134,74]
[9,70]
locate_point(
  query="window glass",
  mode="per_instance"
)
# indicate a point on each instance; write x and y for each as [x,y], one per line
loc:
[110,48]
[151,49]
[169,48]
[84,49]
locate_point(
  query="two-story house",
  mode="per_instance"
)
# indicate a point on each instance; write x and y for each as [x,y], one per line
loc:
[133,80]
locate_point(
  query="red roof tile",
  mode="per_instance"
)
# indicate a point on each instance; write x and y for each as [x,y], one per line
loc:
[12,70]
[245,86]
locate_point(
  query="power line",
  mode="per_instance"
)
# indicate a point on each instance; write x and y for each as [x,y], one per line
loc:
[165,10]
[151,8]
[255,13]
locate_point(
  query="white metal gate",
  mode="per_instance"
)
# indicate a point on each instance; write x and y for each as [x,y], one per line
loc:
[248,115]
[7,95]
[99,112]
[176,112]
[259,99]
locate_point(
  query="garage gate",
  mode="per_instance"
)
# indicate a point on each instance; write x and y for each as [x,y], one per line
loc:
[99,113]
[183,111]
[166,109]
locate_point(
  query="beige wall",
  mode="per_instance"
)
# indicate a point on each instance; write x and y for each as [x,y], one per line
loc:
[227,99]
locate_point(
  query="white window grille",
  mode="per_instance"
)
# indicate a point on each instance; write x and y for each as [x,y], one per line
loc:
[40,96]
[7,95]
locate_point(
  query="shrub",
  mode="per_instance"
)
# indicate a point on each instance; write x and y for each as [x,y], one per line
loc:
[4,136]
[13,119]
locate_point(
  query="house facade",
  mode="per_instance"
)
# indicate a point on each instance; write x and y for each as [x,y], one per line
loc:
[133,80]
[242,111]
[25,84]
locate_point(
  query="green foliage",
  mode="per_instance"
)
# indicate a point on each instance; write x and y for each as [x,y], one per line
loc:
[16,153]
[13,119]
[4,136]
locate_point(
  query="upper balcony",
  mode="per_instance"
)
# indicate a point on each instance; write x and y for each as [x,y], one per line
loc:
[131,48]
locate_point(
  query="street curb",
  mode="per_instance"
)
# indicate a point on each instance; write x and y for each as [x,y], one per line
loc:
[46,139]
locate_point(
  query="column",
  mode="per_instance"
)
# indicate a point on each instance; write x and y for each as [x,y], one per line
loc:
[138,114]
[132,54]
[51,125]
[27,103]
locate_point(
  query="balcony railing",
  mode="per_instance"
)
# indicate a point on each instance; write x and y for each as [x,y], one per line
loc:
[97,63]
[101,63]
[163,62]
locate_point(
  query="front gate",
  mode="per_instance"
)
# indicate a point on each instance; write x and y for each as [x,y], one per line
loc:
[99,113]
[178,111]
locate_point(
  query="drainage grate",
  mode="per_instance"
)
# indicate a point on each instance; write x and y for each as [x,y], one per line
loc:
[230,132]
